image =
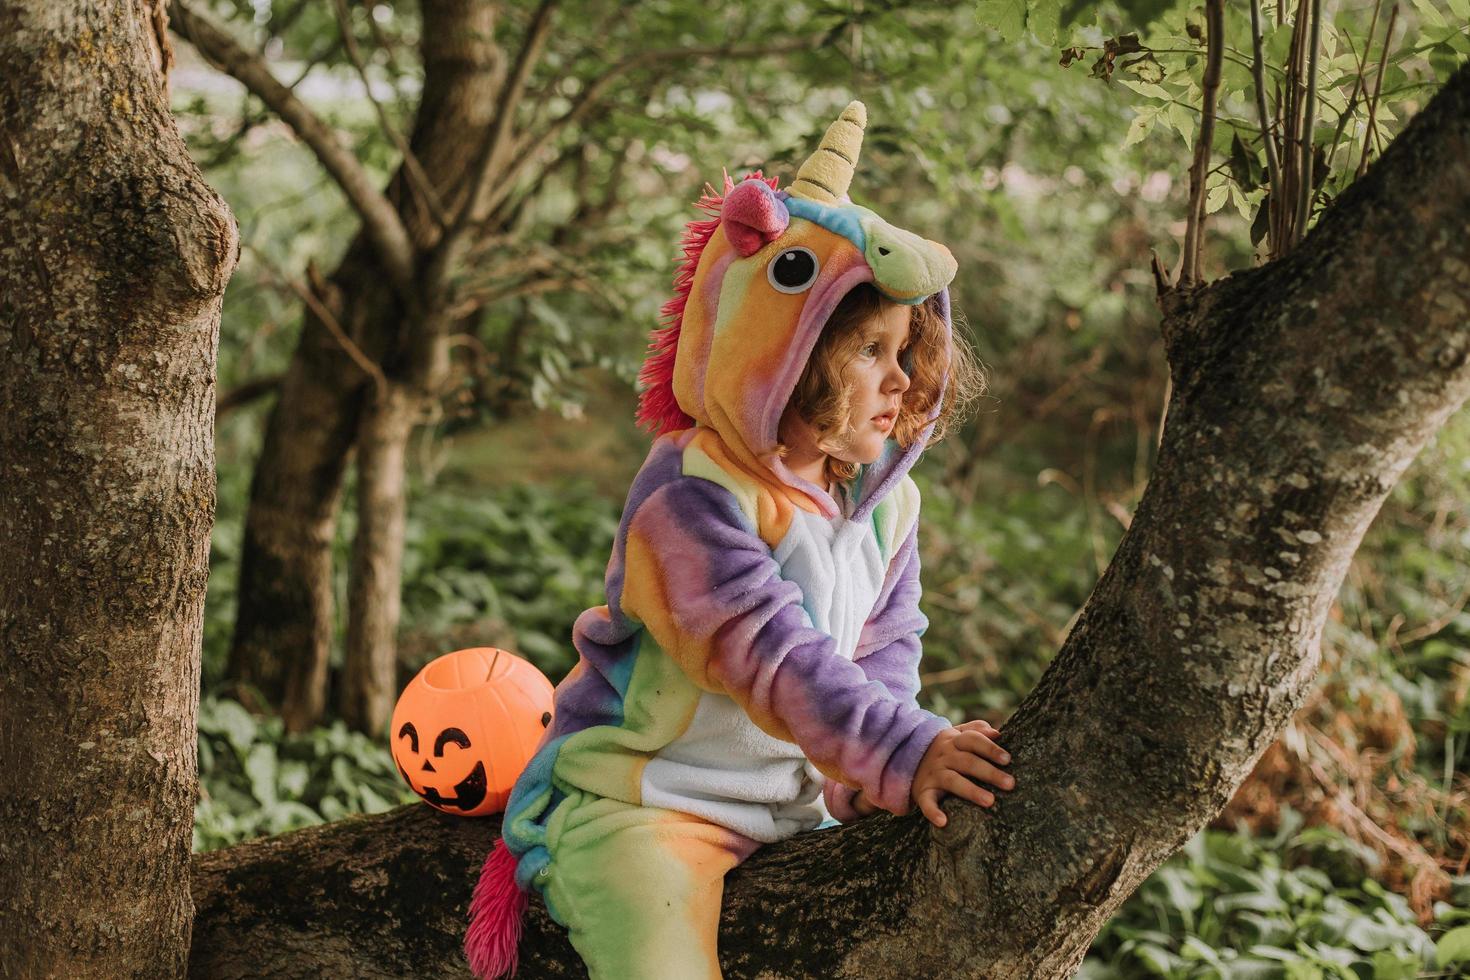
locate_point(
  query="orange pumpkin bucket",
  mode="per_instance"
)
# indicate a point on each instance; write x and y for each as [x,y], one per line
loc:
[465,727]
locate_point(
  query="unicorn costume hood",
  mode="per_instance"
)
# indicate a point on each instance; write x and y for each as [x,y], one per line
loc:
[759,280]
[756,662]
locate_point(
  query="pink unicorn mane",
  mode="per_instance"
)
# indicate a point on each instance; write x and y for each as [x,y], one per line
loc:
[658,409]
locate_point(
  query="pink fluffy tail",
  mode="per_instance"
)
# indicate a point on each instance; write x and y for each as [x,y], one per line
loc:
[496,910]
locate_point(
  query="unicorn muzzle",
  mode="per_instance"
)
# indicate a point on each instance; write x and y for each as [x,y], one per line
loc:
[905,267]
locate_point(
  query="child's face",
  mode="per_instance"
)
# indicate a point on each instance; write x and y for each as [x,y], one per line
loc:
[878,382]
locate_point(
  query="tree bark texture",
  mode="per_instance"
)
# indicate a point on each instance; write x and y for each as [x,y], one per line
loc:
[114,255]
[369,677]
[1302,390]
[284,623]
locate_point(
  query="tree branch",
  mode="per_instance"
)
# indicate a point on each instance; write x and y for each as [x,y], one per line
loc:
[487,167]
[451,249]
[1273,165]
[380,219]
[245,393]
[530,145]
[1377,85]
[1352,102]
[418,181]
[1304,194]
[1189,274]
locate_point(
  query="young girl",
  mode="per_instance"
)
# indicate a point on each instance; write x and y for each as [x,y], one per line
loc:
[754,671]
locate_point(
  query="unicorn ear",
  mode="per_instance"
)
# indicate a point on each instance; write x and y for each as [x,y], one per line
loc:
[753,216]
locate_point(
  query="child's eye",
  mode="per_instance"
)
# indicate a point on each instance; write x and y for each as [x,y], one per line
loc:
[870,350]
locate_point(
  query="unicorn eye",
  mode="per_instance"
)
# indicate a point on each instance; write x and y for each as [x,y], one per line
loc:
[793,271]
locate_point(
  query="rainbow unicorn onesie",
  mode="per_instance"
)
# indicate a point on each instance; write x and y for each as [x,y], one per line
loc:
[756,662]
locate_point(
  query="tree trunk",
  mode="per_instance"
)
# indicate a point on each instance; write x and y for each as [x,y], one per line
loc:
[284,617]
[1302,390]
[114,255]
[369,678]
[284,620]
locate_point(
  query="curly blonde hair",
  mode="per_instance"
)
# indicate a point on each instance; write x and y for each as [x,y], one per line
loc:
[823,398]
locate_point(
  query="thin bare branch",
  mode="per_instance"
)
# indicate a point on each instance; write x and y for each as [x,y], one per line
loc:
[1362,60]
[383,43]
[327,318]
[486,169]
[473,302]
[380,219]
[1291,161]
[1309,110]
[471,208]
[1372,130]
[452,248]
[1194,232]
[418,181]
[1273,164]
[245,393]
[530,145]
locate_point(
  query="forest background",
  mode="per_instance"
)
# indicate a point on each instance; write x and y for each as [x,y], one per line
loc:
[1050,149]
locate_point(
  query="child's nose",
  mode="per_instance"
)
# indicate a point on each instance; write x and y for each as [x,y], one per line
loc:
[898,380]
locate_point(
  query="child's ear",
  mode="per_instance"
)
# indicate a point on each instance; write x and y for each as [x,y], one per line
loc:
[753,216]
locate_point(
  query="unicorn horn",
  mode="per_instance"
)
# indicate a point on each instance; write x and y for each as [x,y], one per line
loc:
[827,173]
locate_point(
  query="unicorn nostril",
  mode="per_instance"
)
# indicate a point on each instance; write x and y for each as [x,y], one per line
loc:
[882,250]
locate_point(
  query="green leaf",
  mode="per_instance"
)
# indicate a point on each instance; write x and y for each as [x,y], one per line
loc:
[1242,206]
[1158,960]
[1250,968]
[372,802]
[1146,67]
[1044,20]
[260,769]
[1151,90]
[1142,123]
[1453,947]
[1431,14]
[1184,121]
[1216,197]
[1006,16]
[1245,167]
[1183,894]
[231,720]
[292,777]
[1142,13]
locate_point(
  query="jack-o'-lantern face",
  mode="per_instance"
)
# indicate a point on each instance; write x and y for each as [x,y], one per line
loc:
[465,727]
[465,794]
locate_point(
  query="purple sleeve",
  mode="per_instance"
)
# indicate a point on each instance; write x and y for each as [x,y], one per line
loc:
[888,649]
[708,590]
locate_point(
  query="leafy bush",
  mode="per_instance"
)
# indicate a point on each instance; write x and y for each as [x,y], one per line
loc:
[1230,906]
[255,780]
[518,555]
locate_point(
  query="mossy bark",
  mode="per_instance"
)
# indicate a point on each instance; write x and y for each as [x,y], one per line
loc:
[114,256]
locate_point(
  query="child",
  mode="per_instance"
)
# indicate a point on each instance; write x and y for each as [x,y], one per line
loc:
[756,666]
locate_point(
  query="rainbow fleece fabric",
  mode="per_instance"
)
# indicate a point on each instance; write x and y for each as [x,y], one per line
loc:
[756,663]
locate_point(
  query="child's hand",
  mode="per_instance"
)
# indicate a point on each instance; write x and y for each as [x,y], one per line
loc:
[863,806]
[956,755]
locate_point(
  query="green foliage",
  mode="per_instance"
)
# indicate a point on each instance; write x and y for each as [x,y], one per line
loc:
[1403,629]
[518,556]
[256,780]
[1358,108]
[1230,906]
[1002,576]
